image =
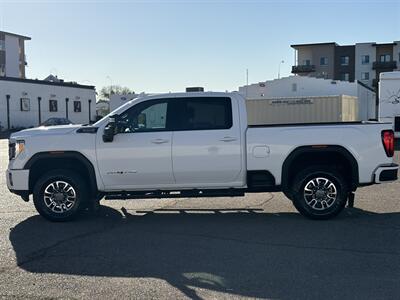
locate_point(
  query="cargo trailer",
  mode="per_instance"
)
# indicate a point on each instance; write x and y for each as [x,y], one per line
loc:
[316,109]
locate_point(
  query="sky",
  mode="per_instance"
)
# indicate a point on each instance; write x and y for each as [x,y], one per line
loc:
[162,46]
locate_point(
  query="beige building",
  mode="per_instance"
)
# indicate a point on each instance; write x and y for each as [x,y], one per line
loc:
[12,55]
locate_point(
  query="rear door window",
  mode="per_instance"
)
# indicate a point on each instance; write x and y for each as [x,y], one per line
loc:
[203,113]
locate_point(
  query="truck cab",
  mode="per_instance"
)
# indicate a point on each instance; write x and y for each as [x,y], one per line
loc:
[169,142]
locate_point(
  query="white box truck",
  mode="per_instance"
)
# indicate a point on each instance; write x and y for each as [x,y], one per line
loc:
[389,99]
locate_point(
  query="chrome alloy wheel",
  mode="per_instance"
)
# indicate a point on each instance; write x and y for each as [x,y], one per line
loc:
[59,196]
[320,193]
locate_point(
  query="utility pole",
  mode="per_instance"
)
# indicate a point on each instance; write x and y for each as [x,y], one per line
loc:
[247,81]
[39,110]
[279,69]
[8,112]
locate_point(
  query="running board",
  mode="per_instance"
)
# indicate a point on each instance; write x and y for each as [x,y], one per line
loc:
[174,194]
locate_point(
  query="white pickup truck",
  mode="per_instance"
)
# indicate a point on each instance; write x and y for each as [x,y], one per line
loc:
[196,145]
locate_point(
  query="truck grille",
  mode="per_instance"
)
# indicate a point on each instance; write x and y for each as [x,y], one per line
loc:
[11,151]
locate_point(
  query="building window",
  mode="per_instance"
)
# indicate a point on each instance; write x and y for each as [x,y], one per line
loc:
[77,106]
[344,60]
[345,76]
[365,59]
[294,87]
[2,70]
[25,104]
[323,61]
[53,105]
[307,62]
[365,76]
[385,58]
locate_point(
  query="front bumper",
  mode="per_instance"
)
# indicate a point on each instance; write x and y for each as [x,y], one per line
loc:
[386,173]
[18,182]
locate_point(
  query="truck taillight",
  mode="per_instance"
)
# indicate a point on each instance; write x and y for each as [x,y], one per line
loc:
[388,142]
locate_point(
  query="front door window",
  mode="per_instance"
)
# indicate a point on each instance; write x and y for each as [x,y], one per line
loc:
[144,117]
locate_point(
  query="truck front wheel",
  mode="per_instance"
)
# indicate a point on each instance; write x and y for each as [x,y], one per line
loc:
[319,192]
[59,195]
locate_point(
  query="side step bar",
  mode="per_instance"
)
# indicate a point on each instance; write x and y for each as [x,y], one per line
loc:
[174,194]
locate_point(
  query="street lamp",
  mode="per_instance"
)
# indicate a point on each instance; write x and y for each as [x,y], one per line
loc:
[111,85]
[279,68]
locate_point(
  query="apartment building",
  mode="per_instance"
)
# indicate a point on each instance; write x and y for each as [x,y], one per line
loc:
[362,61]
[12,55]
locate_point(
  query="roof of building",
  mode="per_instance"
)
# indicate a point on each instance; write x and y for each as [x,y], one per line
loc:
[37,81]
[314,44]
[384,44]
[337,45]
[17,35]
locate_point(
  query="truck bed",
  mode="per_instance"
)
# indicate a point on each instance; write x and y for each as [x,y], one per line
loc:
[269,145]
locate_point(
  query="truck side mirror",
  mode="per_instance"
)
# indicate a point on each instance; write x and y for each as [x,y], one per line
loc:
[109,130]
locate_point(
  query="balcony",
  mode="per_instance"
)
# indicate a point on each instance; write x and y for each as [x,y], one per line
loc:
[384,65]
[303,69]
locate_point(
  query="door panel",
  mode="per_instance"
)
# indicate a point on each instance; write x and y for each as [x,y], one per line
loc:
[140,155]
[203,156]
[136,160]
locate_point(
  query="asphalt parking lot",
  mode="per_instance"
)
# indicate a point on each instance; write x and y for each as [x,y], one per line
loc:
[254,246]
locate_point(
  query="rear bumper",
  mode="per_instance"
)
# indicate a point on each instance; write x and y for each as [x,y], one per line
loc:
[386,173]
[18,182]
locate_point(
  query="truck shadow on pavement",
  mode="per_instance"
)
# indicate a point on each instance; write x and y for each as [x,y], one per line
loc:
[242,253]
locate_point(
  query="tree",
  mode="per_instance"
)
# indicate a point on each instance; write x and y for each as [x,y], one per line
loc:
[107,91]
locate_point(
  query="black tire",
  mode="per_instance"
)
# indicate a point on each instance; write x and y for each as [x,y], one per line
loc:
[79,188]
[319,207]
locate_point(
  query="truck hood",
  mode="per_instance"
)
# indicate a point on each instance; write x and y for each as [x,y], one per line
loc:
[44,131]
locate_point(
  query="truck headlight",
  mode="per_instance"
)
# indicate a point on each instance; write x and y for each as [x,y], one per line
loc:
[19,147]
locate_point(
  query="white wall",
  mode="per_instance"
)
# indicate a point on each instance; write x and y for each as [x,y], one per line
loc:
[365,49]
[366,104]
[118,100]
[18,90]
[12,56]
[305,86]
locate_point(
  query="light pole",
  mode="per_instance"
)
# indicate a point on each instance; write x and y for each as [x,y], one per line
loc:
[279,68]
[247,81]
[111,85]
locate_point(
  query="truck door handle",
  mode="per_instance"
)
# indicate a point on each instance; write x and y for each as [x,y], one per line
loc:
[159,141]
[228,139]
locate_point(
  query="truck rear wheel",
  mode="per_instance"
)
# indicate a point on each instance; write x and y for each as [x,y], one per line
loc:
[59,195]
[319,192]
